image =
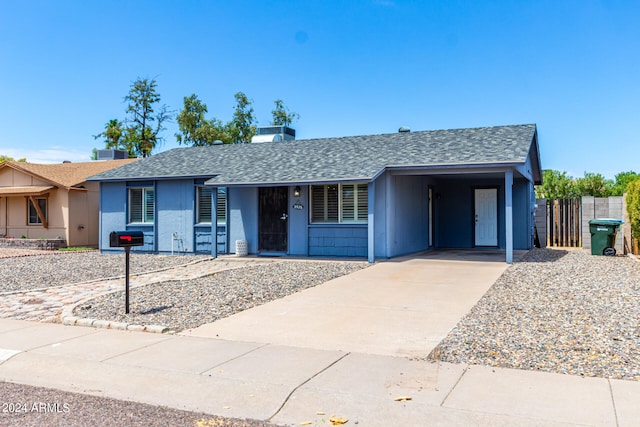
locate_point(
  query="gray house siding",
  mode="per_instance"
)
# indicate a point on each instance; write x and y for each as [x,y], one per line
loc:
[401,218]
[243,217]
[407,214]
[113,205]
[175,217]
[298,222]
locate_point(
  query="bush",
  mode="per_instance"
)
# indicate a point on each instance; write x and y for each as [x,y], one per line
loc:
[633,206]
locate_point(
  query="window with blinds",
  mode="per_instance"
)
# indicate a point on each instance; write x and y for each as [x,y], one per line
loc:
[343,203]
[204,205]
[203,209]
[221,208]
[141,205]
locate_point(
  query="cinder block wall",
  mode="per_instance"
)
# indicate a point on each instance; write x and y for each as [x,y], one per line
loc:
[602,207]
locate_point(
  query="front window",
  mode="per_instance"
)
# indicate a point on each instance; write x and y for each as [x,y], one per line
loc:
[141,205]
[339,203]
[34,218]
[203,210]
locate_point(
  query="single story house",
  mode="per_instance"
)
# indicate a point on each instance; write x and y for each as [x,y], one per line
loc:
[52,201]
[373,196]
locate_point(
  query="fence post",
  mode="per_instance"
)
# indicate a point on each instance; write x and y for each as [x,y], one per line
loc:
[588,213]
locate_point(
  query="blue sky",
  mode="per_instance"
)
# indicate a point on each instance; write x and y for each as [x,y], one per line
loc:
[351,67]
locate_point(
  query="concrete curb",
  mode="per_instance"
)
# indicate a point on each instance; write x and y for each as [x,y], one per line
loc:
[106,324]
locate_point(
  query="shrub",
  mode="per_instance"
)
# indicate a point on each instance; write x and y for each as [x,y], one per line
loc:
[633,206]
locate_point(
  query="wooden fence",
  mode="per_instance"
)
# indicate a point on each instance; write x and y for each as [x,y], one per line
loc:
[564,222]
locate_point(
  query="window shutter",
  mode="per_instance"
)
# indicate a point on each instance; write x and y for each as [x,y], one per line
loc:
[363,202]
[204,204]
[348,203]
[332,203]
[135,205]
[221,202]
[317,203]
[150,203]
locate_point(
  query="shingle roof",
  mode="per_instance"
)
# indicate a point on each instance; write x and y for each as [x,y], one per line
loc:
[67,175]
[335,159]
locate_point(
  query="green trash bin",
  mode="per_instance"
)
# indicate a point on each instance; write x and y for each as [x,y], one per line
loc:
[603,235]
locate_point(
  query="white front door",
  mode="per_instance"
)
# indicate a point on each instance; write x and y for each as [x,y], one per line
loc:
[486,217]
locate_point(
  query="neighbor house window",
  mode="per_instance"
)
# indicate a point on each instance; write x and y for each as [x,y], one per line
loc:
[339,203]
[34,219]
[204,205]
[142,203]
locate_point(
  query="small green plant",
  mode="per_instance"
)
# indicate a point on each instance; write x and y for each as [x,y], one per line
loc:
[24,236]
[76,249]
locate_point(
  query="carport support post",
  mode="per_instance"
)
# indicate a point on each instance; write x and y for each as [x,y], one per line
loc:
[214,222]
[370,224]
[508,214]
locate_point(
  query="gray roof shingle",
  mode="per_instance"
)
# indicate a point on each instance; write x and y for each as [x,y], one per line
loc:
[334,159]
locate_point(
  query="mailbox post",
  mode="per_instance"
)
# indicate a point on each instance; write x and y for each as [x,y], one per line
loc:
[126,240]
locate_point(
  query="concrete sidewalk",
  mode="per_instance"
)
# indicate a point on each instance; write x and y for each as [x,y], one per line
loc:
[292,385]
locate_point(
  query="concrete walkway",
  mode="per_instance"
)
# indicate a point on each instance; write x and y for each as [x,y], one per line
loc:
[49,304]
[292,378]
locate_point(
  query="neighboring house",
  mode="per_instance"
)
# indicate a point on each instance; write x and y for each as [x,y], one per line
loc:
[375,196]
[49,201]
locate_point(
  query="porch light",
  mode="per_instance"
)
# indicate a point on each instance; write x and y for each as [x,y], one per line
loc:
[296,191]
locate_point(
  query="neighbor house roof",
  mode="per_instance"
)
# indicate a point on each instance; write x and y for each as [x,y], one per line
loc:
[66,175]
[348,158]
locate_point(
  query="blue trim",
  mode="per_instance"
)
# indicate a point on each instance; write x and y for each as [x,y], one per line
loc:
[214,220]
[508,214]
[371,223]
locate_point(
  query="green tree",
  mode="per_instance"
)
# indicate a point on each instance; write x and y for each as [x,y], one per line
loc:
[622,181]
[594,184]
[112,134]
[5,158]
[242,126]
[282,116]
[556,185]
[633,206]
[144,124]
[194,128]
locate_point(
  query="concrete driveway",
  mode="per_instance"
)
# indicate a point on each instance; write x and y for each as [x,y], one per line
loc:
[401,307]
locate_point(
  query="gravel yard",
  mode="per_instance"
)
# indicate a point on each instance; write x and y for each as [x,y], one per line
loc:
[557,311]
[64,409]
[187,304]
[61,268]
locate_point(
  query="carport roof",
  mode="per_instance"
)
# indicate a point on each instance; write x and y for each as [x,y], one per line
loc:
[351,158]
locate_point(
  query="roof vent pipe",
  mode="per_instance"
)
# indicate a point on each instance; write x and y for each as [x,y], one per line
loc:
[404,129]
